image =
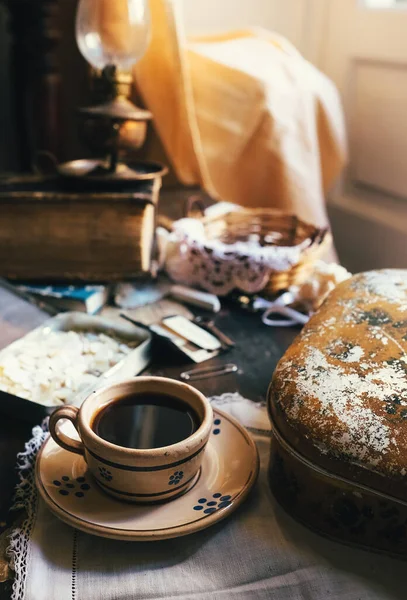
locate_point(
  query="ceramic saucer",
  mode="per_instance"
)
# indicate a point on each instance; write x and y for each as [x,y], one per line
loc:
[229,470]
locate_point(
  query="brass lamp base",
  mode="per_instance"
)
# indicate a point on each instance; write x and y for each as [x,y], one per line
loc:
[117,109]
[98,171]
[113,127]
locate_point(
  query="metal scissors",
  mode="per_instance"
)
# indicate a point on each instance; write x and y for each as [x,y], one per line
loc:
[281,308]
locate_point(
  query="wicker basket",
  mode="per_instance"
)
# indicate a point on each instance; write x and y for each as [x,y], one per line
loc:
[273,227]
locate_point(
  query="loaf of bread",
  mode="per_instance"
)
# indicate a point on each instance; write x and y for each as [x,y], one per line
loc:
[339,394]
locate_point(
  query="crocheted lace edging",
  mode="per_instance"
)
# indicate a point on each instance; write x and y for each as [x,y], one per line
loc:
[26,499]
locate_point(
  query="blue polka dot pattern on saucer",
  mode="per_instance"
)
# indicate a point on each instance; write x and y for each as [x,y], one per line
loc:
[67,486]
[217,423]
[210,506]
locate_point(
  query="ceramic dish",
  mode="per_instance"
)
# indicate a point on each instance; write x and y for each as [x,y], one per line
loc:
[131,365]
[229,470]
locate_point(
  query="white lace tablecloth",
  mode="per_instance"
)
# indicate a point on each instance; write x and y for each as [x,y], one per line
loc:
[259,553]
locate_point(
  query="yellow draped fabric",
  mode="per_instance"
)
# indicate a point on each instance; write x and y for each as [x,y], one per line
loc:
[244,115]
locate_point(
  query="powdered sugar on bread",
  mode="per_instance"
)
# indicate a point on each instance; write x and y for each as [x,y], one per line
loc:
[343,384]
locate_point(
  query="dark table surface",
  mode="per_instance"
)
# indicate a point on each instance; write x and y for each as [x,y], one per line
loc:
[258,349]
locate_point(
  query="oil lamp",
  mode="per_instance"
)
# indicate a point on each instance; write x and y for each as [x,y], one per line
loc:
[112,36]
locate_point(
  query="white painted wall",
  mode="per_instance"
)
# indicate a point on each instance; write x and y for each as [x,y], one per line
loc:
[202,16]
[287,17]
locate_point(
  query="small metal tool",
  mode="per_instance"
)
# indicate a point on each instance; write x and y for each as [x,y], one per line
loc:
[285,316]
[210,326]
[209,372]
[280,307]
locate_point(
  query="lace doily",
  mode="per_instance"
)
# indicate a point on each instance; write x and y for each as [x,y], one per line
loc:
[189,258]
[25,498]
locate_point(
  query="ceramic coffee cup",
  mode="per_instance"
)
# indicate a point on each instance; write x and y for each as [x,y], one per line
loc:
[147,476]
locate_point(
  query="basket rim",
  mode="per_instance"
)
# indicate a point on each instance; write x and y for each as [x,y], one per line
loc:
[260,211]
[316,237]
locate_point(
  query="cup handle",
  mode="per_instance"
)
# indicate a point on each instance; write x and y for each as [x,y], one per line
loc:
[67,443]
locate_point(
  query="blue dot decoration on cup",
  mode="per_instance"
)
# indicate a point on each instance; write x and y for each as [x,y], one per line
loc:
[176,478]
[105,474]
[210,505]
[67,486]
[217,423]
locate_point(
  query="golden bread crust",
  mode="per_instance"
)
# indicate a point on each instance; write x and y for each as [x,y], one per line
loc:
[339,394]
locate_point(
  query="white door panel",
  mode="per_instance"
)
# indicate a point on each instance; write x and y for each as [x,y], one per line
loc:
[377,107]
[365,53]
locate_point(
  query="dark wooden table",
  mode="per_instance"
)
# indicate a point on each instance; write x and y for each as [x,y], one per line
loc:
[257,351]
